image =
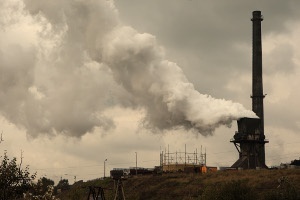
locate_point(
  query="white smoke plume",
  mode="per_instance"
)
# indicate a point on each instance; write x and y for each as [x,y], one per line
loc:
[63,63]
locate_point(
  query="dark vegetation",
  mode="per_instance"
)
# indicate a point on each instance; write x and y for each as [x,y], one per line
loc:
[225,185]
[16,182]
[13,179]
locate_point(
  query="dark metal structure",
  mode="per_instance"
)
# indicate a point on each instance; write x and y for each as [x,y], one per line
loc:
[119,190]
[117,175]
[96,193]
[250,138]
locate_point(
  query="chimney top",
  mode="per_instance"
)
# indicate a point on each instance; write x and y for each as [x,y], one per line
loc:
[257,15]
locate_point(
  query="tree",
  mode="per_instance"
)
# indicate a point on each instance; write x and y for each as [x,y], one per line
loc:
[63,184]
[42,190]
[14,181]
[43,184]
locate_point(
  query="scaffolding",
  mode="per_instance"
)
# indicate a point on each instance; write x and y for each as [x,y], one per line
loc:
[178,160]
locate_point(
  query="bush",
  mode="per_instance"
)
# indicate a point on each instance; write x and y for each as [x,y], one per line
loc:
[62,185]
[286,190]
[48,195]
[233,190]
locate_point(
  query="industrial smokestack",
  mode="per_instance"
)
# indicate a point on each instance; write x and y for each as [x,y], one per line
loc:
[250,138]
[257,81]
[257,84]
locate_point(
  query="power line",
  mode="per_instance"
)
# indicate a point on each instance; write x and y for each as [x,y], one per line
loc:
[87,166]
[279,158]
[69,167]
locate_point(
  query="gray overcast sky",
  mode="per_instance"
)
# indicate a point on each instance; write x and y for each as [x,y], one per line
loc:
[69,109]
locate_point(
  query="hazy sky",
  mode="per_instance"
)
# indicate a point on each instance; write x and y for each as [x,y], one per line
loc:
[84,81]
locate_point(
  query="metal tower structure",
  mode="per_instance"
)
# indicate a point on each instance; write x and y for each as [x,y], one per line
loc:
[249,140]
[96,193]
[119,190]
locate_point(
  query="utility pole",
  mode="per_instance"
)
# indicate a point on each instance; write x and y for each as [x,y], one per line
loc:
[1,138]
[135,163]
[104,167]
[184,154]
[21,160]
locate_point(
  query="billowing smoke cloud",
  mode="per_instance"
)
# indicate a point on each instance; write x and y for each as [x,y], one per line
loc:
[160,86]
[76,59]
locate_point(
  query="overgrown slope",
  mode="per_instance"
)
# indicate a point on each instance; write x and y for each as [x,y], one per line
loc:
[250,184]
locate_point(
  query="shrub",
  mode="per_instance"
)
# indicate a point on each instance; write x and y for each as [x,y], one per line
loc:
[233,190]
[286,190]
[48,195]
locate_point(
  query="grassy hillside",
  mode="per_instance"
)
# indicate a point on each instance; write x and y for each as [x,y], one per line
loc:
[248,184]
